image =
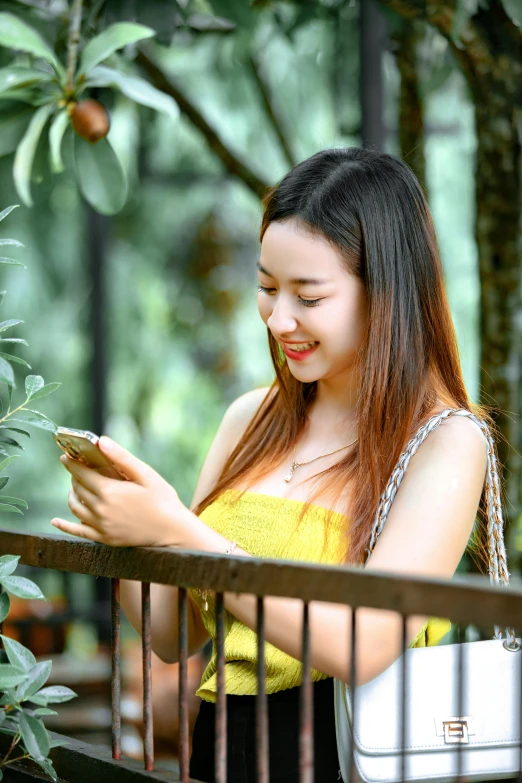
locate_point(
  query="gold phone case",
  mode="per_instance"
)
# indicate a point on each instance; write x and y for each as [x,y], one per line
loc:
[82,445]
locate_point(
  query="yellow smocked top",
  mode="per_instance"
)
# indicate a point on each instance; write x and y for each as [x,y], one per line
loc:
[268,526]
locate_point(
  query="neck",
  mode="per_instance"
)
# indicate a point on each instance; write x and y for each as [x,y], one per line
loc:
[336,397]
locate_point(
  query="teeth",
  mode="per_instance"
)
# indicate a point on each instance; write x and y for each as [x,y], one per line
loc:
[302,346]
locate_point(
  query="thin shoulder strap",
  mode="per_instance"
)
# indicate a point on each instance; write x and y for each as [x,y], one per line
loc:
[497,558]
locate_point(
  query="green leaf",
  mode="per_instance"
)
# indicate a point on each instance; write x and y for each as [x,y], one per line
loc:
[14,119]
[13,501]
[135,88]
[11,261]
[45,711]
[7,697]
[5,507]
[59,743]
[16,76]
[16,34]
[10,676]
[18,655]
[9,728]
[8,564]
[14,340]
[45,390]
[15,359]
[100,175]
[38,675]
[53,694]
[513,9]
[5,463]
[464,10]
[21,587]
[5,325]
[3,482]
[14,242]
[15,429]
[109,41]
[7,211]
[32,384]
[25,152]
[58,127]
[6,372]
[47,766]
[5,605]
[10,442]
[35,419]
[35,736]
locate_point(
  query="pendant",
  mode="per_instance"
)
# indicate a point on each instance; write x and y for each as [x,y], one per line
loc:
[294,466]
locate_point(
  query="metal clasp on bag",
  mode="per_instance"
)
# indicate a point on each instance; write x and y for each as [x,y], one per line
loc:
[455,729]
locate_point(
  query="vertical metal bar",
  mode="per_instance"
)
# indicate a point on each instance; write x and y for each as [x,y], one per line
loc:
[1,624]
[520,714]
[306,715]
[148,741]
[221,711]
[353,687]
[183,686]
[261,700]
[460,694]
[403,697]
[116,669]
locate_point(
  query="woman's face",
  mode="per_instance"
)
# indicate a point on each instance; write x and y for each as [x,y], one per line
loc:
[314,308]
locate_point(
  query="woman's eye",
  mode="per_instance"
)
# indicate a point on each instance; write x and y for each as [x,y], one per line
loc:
[305,302]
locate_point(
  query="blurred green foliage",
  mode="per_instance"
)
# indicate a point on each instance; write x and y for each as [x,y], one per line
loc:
[184,337]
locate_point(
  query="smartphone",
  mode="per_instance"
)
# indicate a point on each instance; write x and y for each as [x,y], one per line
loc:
[82,445]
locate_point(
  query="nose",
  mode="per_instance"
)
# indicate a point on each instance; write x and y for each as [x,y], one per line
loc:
[281,321]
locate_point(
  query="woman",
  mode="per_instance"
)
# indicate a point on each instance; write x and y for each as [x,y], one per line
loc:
[351,290]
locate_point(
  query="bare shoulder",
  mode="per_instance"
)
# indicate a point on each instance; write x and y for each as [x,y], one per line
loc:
[240,413]
[237,417]
[457,438]
[433,514]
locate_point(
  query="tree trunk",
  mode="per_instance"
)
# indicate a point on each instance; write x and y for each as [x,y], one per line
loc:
[490,55]
[411,126]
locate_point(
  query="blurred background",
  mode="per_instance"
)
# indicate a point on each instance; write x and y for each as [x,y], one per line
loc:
[144,305]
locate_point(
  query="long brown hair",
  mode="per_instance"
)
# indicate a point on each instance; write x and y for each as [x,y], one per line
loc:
[371,208]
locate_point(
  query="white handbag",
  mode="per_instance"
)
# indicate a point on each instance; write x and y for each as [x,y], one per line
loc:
[483,742]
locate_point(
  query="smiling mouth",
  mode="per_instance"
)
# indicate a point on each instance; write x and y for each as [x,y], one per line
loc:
[300,347]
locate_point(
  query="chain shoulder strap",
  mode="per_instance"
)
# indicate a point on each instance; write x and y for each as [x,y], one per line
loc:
[497,558]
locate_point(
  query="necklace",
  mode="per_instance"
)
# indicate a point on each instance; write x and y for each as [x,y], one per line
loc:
[298,464]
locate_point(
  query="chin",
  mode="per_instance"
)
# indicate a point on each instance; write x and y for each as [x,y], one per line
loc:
[305,374]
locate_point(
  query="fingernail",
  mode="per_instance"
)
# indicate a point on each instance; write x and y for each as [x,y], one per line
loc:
[63,458]
[54,522]
[106,443]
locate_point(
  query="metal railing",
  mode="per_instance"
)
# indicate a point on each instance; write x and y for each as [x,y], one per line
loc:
[464,600]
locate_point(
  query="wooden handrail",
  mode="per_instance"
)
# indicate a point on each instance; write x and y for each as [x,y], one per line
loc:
[462,599]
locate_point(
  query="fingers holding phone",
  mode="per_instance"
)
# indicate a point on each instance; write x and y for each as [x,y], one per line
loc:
[83,446]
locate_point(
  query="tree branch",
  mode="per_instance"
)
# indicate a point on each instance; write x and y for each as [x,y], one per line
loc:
[227,157]
[73,40]
[269,111]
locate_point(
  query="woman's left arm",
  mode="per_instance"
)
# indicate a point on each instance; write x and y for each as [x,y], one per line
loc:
[426,534]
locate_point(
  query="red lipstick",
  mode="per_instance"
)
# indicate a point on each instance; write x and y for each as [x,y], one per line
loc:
[298,356]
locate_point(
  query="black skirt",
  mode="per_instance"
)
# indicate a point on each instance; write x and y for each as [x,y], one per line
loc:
[283,737]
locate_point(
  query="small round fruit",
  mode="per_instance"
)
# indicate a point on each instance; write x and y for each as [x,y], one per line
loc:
[90,120]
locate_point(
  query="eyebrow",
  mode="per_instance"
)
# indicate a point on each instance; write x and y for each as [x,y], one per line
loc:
[295,280]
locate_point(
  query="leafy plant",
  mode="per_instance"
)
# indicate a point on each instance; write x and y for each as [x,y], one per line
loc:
[21,677]
[38,90]
[24,701]
[35,389]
